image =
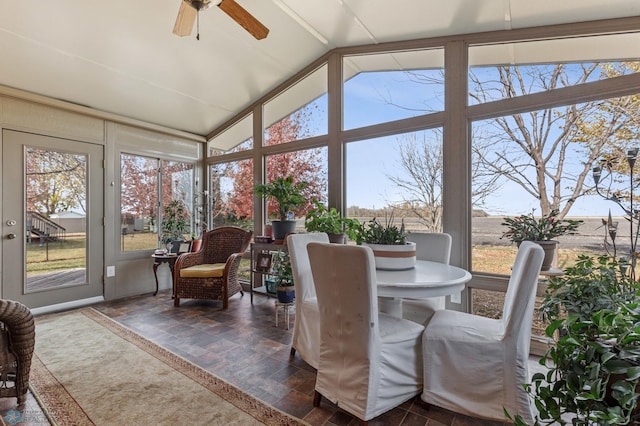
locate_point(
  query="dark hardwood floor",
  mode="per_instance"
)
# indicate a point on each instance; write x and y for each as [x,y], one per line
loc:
[244,346]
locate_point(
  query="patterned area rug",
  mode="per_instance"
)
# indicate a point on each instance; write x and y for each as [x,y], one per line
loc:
[88,369]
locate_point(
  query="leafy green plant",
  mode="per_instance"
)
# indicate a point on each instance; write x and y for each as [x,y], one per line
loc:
[321,219]
[374,232]
[281,268]
[287,195]
[590,285]
[593,367]
[528,228]
[175,221]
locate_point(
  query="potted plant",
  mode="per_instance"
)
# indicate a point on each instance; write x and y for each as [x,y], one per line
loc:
[175,224]
[322,219]
[288,196]
[593,367]
[284,277]
[541,230]
[389,243]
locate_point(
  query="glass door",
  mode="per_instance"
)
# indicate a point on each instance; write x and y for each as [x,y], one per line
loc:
[52,219]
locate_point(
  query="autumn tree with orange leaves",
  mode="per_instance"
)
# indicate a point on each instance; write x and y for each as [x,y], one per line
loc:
[308,166]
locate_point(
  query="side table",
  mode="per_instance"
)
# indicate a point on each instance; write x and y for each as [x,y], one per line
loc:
[159,259]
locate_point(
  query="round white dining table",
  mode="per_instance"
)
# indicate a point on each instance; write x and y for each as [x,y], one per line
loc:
[427,279]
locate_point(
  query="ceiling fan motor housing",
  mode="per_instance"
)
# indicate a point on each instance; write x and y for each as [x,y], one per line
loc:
[201,5]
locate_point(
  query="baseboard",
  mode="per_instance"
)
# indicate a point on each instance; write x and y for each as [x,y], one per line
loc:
[67,305]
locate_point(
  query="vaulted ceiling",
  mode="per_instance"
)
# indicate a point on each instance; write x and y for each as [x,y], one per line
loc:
[120,56]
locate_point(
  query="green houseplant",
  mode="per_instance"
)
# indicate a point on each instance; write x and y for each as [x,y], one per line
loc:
[375,232]
[281,268]
[175,222]
[541,230]
[329,220]
[287,196]
[389,243]
[593,366]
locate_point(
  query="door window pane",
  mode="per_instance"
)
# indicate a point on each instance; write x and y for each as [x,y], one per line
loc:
[56,195]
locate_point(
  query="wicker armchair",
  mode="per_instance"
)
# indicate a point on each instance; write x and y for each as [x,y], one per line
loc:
[212,272]
[17,340]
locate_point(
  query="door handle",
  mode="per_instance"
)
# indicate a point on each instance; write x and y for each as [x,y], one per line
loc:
[11,236]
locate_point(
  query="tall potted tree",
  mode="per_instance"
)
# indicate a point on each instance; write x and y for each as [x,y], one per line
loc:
[287,196]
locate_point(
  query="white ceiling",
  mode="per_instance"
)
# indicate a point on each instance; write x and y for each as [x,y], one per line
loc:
[120,56]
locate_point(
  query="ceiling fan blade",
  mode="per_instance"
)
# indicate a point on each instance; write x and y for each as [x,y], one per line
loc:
[244,18]
[185,20]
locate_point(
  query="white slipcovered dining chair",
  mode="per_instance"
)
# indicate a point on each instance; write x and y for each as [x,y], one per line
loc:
[436,247]
[476,365]
[369,362]
[306,329]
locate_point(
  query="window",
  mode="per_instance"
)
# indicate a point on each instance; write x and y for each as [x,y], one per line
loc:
[400,174]
[236,138]
[526,67]
[299,112]
[141,212]
[544,158]
[305,166]
[379,88]
[231,193]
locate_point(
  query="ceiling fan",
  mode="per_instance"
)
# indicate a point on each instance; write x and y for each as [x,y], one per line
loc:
[190,9]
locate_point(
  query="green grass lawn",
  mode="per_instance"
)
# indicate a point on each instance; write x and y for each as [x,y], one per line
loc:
[56,255]
[70,253]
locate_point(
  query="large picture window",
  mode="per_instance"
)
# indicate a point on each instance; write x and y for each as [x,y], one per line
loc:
[142,180]
[398,175]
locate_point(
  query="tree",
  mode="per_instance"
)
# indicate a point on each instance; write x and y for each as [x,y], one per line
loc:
[534,149]
[617,121]
[139,186]
[423,163]
[304,165]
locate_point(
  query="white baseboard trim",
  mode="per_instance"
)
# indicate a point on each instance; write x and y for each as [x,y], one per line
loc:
[67,305]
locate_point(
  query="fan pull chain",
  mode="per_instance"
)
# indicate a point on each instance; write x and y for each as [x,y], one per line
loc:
[198,25]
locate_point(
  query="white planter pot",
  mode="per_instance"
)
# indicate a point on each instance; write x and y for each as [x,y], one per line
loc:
[394,257]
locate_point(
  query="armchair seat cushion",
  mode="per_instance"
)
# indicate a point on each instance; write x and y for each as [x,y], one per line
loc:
[205,270]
